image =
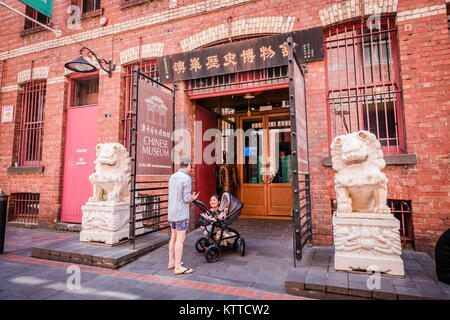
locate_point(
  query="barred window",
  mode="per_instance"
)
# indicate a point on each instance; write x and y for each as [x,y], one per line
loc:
[238,80]
[150,69]
[31,130]
[24,207]
[402,210]
[87,5]
[363,91]
[36,15]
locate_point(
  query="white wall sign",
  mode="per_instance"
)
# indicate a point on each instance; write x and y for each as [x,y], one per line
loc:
[7,114]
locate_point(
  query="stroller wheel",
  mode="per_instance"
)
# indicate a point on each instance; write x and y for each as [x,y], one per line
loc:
[202,244]
[242,247]
[213,253]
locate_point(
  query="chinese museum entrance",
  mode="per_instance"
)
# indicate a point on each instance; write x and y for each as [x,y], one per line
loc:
[265,174]
[256,142]
[248,85]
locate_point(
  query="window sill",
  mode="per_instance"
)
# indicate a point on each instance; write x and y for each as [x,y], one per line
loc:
[131,3]
[34,30]
[24,170]
[391,160]
[92,14]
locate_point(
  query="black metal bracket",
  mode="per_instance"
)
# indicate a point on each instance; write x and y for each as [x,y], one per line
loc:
[101,62]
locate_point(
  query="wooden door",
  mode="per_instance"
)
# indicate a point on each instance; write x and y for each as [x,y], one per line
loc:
[252,152]
[265,168]
[279,183]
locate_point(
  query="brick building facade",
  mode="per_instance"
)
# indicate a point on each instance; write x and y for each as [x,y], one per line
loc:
[137,32]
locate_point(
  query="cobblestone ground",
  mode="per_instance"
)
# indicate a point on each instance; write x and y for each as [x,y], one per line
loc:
[260,274]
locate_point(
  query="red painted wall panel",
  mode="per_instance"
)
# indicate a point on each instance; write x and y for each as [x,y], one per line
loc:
[81,139]
[205,178]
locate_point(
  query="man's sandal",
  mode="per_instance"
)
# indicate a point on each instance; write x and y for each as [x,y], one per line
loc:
[185,271]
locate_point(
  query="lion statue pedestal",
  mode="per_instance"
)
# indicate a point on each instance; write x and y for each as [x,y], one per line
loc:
[107,212]
[366,234]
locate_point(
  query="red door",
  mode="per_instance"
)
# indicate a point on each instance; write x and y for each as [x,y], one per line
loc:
[205,173]
[79,156]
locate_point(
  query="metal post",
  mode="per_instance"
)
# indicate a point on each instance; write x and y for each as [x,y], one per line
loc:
[173,125]
[133,145]
[3,218]
[294,160]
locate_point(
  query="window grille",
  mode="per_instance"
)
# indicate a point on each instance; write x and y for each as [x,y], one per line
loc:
[36,15]
[32,102]
[150,69]
[25,207]
[362,81]
[87,5]
[239,80]
[402,210]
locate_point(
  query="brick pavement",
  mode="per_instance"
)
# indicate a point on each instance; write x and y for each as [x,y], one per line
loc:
[315,277]
[258,275]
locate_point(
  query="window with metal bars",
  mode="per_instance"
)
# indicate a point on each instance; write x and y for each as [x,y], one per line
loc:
[362,81]
[36,15]
[401,209]
[31,128]
[150,69]
[239,80]
[24,207]
[87,5]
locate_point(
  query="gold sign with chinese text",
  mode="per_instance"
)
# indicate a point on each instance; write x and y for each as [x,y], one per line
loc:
[253,54]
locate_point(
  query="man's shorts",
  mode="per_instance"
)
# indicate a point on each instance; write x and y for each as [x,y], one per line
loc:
[181,225]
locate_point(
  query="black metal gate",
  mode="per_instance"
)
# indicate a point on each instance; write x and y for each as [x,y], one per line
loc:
[301,214]
[148,193]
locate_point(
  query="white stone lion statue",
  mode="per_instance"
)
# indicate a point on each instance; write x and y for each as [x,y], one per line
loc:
[112,173]
[359,183]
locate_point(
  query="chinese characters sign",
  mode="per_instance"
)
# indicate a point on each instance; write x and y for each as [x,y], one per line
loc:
[154,130]
[43,6]
[253,54]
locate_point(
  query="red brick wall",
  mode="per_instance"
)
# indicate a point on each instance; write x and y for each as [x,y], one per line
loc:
[424,47]
[424,60]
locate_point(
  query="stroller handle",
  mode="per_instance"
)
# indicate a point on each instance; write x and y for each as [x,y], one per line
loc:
[202,206]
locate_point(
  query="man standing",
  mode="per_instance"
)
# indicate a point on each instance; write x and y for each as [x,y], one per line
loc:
[178,214]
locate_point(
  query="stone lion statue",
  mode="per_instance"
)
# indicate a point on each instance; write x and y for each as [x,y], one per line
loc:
[359,183]
[112,173]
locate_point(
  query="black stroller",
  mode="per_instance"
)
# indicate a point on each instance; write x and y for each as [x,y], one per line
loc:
[220,235]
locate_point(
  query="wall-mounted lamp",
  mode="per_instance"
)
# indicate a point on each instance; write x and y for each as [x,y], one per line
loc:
[82,65]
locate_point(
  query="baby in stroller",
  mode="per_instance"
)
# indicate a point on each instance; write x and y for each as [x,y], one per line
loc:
[216,222]
[214,202]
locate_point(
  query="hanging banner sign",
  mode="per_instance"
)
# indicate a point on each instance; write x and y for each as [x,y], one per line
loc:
[298,88]
[253,54]
[43,6]
[154,130]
